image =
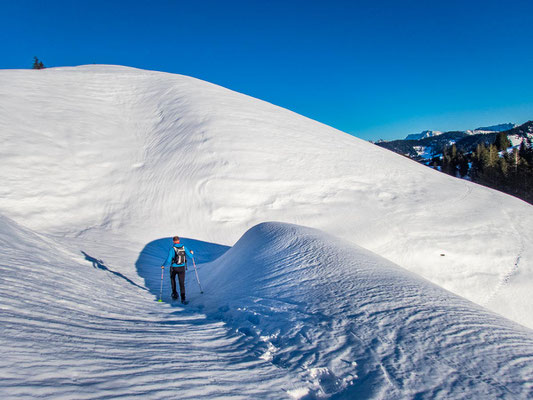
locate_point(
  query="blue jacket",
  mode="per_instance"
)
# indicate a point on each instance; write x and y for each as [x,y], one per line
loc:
[171,254]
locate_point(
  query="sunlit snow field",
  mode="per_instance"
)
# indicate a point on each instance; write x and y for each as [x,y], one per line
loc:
[381,279]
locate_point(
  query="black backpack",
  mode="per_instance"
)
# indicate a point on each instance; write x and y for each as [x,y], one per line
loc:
[179,256]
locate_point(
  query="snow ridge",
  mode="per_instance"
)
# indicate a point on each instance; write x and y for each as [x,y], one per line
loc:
[347,321]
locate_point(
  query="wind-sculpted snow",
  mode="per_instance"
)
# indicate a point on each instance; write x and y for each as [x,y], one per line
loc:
[352,324]
[96,149]
[76,322]
[288,313]
[100,165]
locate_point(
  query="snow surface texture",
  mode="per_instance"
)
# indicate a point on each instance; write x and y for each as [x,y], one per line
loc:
[288,312]
[345,320]
[74,326]
[144,154]
[99,162]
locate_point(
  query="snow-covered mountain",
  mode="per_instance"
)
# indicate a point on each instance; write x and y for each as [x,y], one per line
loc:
[426,145]
[422,135]
[495,128]
[101,164]
[484,129]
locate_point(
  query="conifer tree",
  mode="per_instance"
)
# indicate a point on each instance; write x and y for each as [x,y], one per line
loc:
[37,64]
[502,171]
[463,165]
[522,152]
[526,151]
[493,166]
[502,141]
[493,156]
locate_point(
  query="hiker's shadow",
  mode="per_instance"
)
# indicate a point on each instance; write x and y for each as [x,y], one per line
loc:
[99,264]
[154,255]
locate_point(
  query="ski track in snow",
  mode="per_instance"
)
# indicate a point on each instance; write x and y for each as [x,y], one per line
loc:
[513,269]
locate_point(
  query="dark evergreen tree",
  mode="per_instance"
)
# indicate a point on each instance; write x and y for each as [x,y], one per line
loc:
[491,163]
[493,156]
[526,151]
[502,142]
[450,160]
[37,64]
[503,171]
[464,165]
[446,160]
[522,152]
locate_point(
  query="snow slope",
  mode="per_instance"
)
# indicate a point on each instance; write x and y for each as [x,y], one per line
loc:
[93,150]
[348,321]
[288,313]
[74,326]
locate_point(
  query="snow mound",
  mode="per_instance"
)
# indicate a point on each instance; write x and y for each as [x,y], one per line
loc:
[351,323]
[93,151]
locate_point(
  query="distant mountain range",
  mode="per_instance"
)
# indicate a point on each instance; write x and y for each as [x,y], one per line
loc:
[484,129]
[422,135]
[492,156]
[425,145]
[495,128]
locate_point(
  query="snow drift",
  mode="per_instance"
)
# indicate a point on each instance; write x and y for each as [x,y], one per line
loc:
[348,321]
[288,312]
[93,150]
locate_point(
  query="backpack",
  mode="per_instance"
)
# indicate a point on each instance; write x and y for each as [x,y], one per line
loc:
[179,256]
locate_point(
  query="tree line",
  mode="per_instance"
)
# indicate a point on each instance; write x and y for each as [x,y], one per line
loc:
[495,165]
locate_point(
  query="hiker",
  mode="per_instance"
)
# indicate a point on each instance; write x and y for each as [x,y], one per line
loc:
[177,261]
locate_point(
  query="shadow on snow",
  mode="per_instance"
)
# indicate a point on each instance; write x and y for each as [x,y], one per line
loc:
[99,264]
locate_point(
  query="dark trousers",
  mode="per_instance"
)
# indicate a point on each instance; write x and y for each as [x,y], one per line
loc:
[180,271]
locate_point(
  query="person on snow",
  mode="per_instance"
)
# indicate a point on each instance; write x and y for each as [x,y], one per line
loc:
[177,261]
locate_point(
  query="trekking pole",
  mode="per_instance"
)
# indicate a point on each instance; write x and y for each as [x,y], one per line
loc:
[197,279]
[161,289]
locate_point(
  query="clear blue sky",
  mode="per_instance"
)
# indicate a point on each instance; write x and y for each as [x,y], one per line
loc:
[376,69]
